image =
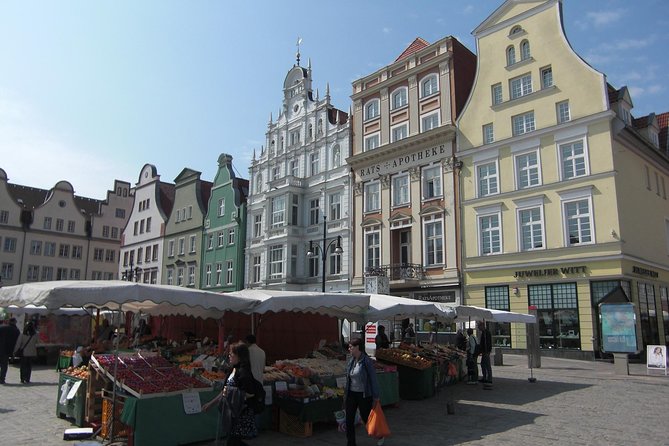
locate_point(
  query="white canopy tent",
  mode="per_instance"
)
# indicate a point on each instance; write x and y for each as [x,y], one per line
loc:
[382,306]
[466,313]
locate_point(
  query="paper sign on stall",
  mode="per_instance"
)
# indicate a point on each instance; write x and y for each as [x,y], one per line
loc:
[268,395]
[192,403]
[281,386]
[341,382]
[73,390]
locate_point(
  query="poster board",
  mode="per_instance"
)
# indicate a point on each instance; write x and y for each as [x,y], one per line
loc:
[656,357]
[618,328]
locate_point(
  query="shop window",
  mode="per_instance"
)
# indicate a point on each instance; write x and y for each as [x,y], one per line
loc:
[557,313]
[497,298]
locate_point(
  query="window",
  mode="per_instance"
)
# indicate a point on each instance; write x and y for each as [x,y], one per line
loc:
[64,251]
[33,273]
[99,254]
[276,172]
[372,196]
[70,226]
[315,163]
[546,77]
[527,170]
[77,250]
[276,262]
[525,50]
[497,298]
[170,248]
[191,244]
[7,271]
[170,276]
[105,231]
[4,217]
[141,226]
[373,248]
[60,224]
[400,187]
[155,253]
[372,109]
[294,217]
[110,255]
[371,142]
[210,241]
[578,222]
[336,156]
[220,236]
[191,275]
[258,185]
[488,134]
[431,182]
[557,314]
[47,273]
[398,98]
[257,225]
[256,269]
[429,86]
[49,249]
[294,168]
[75,274]
[61,274]
[180,276]
[314,263]
[219,273]
[510,56]
[497,94]
[531,228]
[294,137]
[573,160]
[490,234]
[148,224]
[278,211]
[182,246]
[520,86]
[335,206]
[487,179]
[334,260]
[147,254]
[231,236]
[523,123]
[136,228]
[434,241]
[563,114]
[114,232]
[120,213]
[47,222]
[229,273]
[429,122]
[221,207]
[314,211]
[36,248]
[398,132]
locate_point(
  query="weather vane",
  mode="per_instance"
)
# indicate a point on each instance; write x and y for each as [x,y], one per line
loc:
[299,40]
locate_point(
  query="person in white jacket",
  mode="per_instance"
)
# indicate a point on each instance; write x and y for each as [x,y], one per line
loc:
[27,344]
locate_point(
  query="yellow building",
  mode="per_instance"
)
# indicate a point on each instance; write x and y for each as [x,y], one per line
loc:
[562,196]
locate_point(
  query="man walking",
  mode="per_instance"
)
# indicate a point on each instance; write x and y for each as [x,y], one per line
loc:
[8,336]
[486,349]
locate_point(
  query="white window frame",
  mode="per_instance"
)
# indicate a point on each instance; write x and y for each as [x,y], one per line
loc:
[433,241]
[546,77]
[529,205]
[525,51]
[231,236]
[573,159]
[221,207]
[563,112]
[488,133]
[336,156]
[436,180]
[524,120]
[315,162]
[372,196]
[487,214]
[484,175]
[520,86]
[276,259]
[170,276]
[399,132]
[182,246]
[372,109]
[191,244]
[295,168]
[278,211]
[314,211]
[510,55]
[257,225]
[230,273]
[429,85]
[567,198]
[527,170]
[255,266]
[191,275]
[428,121]
[401,189]
[219,273]
[335,261]
[207,275]
[399,98]
[372,241]
[497,94]
[335,206]
[372,141]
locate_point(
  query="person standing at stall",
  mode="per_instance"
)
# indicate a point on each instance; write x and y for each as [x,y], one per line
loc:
[362,387]
[472,347]
[486,349]
[257,356]
[8,336]
[381,340]
[26,349]
[239,416]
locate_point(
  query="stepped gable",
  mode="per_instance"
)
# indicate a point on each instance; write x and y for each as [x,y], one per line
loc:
[415,46]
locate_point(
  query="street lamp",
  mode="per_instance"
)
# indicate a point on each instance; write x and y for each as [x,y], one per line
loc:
[131,272]
[324,247]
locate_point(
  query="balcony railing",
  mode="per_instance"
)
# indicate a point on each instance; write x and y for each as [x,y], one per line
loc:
[398,271]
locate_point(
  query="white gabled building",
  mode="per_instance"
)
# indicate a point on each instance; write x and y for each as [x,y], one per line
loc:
[299,191]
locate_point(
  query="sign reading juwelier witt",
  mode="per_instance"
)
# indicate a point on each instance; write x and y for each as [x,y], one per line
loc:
[618,323]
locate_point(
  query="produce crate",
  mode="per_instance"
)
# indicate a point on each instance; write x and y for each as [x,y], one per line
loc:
[75,407]
[291,425]
[96,383]
[120,430]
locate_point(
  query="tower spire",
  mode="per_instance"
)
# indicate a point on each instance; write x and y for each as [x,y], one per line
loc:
[297,56]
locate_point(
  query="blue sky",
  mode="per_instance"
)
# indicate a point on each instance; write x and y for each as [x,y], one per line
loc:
[90,91]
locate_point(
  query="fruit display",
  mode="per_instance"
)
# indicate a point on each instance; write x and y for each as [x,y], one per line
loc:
[147,376]
[406,358]
[306,367]
[81,372]
[272,374]
[67,353]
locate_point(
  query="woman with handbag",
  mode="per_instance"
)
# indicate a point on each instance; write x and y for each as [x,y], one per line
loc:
[26,349]
[237,414]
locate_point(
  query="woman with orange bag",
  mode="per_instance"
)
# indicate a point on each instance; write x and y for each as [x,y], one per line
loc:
[362,388]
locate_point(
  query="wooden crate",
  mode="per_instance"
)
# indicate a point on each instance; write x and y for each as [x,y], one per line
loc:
[96,384]
[120,429]
[291,425]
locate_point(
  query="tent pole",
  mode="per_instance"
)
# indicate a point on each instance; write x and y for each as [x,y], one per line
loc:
[113,413]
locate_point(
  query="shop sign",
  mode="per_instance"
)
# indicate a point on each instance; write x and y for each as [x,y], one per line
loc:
[444,296]
[403,162]
[645,272]
[547,272]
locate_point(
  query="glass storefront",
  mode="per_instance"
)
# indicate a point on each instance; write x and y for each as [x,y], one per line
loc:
[497,298]
[557,310]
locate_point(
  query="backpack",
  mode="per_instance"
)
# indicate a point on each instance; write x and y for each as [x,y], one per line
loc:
[257,402]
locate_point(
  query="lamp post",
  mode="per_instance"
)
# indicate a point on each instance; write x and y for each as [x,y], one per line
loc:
[324,247]
[131,273]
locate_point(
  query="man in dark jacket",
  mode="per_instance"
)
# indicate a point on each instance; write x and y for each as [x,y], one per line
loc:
[8,336]
[486,349]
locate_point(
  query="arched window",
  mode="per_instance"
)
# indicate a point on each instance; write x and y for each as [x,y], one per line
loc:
[399,98]
[258,183]
[515,30]
[336,156]
[429,85]
[310,131]
[510,55]
[372,109]
[524,50]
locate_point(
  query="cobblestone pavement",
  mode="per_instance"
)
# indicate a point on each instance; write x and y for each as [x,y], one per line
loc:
[572,402]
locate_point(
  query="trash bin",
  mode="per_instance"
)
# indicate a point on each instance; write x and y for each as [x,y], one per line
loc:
[498,358]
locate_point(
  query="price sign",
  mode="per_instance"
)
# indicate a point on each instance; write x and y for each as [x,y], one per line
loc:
[268,395]
[191,402]
[341,382]
[281,386]
[73,390]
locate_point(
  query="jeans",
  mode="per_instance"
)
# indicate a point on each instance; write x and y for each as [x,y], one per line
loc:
[26,368]
[4,365]
[472,369]
[355,401]
[486,368]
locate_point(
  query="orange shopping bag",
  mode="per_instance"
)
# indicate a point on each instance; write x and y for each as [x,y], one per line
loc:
[377,426]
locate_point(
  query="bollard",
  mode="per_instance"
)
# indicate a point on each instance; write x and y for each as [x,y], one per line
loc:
[498,356]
